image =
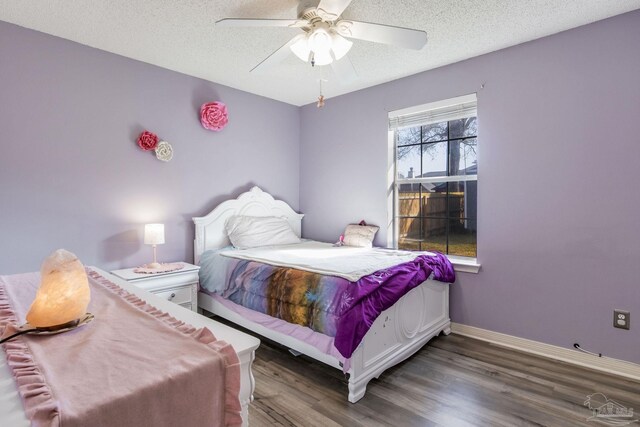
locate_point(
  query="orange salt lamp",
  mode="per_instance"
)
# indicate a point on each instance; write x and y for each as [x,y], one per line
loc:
[64,294]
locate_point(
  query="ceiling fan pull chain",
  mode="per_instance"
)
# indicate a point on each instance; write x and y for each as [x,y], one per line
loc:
[313,59]
[320,103]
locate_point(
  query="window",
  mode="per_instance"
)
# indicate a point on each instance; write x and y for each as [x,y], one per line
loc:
[435,181]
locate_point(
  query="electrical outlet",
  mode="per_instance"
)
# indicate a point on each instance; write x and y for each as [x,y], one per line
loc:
[621,319]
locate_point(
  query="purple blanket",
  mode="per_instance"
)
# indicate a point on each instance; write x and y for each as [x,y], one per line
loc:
[327,304]
[373,294]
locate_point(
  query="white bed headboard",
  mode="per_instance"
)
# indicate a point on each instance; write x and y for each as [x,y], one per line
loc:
[210,232]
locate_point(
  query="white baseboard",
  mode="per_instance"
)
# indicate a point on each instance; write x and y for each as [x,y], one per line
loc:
[604,364]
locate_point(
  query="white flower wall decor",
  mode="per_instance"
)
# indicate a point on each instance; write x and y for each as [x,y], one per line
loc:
[164,151]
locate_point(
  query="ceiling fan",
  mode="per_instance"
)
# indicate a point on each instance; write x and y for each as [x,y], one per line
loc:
[325,38]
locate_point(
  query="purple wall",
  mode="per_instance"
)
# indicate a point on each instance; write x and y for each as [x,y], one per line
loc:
[72,176]
[559,155]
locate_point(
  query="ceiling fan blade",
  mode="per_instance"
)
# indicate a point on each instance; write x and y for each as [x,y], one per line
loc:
[256,22]
[276,57]
[344,70]
[380,33]
[334,7]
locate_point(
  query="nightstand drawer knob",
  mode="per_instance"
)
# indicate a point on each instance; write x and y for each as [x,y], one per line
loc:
[177,296]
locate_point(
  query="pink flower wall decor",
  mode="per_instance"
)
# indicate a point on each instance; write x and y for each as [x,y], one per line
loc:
[213,116]
[148,141]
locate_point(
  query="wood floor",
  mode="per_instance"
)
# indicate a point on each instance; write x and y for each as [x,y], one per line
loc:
[453,381]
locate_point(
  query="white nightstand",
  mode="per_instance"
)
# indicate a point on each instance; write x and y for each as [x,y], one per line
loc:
[179,286]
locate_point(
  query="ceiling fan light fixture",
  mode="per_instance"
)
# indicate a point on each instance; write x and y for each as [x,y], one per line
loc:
[339,45]
[301,47]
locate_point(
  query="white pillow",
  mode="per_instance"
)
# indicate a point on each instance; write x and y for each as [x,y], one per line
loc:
[253,231]
[360,235]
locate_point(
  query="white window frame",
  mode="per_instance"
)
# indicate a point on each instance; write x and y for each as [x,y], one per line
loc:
[434,112]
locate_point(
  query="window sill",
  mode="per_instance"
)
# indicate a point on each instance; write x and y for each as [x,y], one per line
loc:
[464,264]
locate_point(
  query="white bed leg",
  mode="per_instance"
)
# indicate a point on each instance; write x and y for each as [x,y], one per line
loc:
[357,389]
[447,330]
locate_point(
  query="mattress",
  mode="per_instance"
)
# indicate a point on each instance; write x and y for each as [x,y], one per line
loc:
[349,262]
[325,303]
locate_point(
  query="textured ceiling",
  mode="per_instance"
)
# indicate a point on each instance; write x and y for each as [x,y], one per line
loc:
[181,36]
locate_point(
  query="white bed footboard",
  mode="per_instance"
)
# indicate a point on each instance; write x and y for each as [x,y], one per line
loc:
[396,334]
[399,332]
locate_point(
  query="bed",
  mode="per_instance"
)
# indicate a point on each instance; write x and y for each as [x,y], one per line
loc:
[396,334]
[11,407]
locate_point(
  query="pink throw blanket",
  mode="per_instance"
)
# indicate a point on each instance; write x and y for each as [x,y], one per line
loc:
[132,366]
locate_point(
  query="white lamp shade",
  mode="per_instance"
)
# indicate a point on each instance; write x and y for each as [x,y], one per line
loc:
[319,41]
[339,45]
[154,234]
[325,45]
[322,58]
[301,47]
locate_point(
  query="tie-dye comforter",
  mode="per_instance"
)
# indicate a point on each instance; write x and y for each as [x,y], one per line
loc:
[328,304]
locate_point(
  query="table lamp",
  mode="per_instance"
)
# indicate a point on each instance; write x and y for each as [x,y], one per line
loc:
[154,235]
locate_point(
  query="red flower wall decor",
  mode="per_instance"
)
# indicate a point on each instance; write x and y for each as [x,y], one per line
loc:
[148,141]
[213,116]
